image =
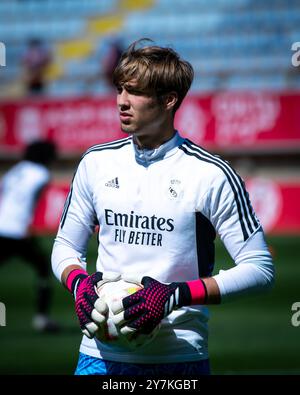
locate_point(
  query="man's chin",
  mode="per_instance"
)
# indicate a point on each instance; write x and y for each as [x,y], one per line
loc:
[127,129]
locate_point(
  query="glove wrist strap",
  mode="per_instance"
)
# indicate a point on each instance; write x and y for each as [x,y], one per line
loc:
[198,291]
[73,277]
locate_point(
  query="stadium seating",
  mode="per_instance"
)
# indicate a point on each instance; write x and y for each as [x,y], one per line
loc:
[231,43]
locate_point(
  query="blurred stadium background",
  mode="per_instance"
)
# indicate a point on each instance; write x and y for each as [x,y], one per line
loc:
[244,105]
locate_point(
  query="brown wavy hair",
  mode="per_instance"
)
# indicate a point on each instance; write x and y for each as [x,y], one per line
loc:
[155,70]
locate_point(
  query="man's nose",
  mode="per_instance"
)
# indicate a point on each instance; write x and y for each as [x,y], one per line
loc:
[123,100]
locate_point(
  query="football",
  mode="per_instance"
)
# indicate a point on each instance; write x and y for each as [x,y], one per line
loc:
[113,291]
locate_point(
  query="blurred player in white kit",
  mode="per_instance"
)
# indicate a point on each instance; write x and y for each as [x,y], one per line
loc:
[20,189]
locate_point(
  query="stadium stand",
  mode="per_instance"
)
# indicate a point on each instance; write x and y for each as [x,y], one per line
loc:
[232,44]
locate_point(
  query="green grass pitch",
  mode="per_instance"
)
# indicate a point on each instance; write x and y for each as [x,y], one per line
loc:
[251,336]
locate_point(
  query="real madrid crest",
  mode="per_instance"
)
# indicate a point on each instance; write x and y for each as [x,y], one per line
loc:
[175,191]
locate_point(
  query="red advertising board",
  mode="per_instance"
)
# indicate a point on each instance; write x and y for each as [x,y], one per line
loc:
[74,124]
[275,203]
[49,208]
[224,120]
[238,120]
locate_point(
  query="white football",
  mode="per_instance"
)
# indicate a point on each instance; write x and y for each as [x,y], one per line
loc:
[111,292]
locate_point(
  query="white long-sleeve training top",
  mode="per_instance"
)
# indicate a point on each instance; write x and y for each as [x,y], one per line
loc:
[159,212]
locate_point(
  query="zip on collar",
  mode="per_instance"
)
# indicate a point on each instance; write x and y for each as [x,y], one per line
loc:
[146,157]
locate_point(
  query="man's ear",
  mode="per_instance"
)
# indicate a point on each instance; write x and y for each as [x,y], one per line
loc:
[170,100]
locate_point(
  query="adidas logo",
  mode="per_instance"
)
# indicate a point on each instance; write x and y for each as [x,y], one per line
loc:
[114,183]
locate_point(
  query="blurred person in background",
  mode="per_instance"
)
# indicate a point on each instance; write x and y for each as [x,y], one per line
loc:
[160,201]
[35,62]
[20,188]
[113,49]
[111,60]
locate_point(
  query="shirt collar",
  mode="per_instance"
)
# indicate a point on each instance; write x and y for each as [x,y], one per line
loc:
[146,157]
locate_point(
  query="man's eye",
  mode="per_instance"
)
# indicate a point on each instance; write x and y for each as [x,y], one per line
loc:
[119,89]
[133,91]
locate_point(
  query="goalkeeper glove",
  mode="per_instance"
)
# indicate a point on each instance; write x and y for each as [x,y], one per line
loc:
[90,310]
[143,310]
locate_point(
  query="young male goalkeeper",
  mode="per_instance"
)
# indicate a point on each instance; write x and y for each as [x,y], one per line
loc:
[159,200]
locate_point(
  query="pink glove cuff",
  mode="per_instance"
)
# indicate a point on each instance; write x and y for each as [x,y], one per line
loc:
[74,273]
[198,291]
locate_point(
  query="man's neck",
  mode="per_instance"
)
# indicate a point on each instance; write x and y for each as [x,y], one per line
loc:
[152,141]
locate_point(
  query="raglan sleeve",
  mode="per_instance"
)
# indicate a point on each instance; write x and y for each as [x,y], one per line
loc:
[229,209]
[77,223]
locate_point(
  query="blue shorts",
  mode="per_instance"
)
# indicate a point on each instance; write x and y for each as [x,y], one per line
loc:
[88,365]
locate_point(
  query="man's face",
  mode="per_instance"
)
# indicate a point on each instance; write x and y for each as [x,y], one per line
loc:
[139,113]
